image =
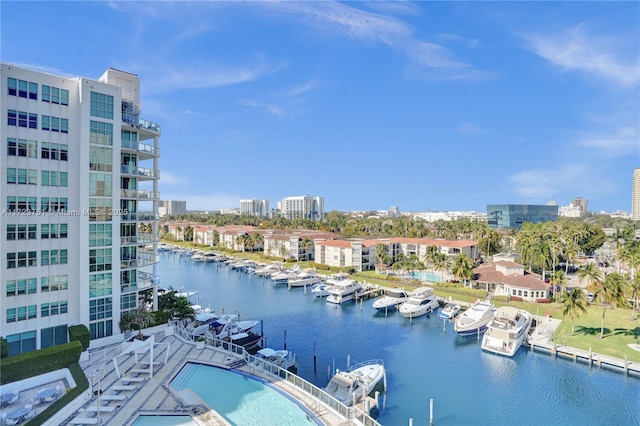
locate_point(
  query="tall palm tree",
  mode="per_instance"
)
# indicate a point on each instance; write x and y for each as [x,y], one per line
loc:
[573,304]
[559,279]
[382,254]
[441,263]
[634,288]
[462,268]
[609,293]
[589,273]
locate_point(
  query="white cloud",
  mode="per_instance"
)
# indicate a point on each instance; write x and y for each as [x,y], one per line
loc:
[168,177]
[470,129]
[574,49]
[303,88]
[470,43]
[621,141]
[270,108]
[205,75]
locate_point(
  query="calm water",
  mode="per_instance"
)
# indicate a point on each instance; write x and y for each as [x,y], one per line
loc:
[240,401]
[424,359]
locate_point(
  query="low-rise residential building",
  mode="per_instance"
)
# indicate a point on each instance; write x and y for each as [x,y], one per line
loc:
[509,279]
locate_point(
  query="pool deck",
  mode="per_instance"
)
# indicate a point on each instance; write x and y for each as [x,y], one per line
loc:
[141,395]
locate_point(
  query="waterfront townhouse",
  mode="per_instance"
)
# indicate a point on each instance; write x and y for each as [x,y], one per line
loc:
[299,245]
[78,224]
[505,278]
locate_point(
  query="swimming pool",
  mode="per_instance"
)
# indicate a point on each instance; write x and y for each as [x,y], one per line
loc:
[426,276]
[164,420]
[241,399]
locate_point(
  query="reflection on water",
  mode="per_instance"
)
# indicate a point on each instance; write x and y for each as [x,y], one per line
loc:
[424,358]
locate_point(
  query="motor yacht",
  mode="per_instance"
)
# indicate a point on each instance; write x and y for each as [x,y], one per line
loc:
[350,386]
[393,298]
[308,277]
[450,311]
[421,302]
[344,291]
[474,320]
[506,331]
[320,290]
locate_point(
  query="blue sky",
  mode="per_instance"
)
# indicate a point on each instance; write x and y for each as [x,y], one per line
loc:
[425,106]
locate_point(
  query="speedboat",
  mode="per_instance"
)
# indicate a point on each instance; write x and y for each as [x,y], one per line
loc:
[391,300]
[344,291]
[200,325]
[304,278]
[282,358]
[475,319]
[320,290]
[361,380]
[450,311]
[506,331]
[421,302]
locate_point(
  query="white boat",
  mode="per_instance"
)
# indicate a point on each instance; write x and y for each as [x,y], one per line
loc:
[308,277]
[506,331]
[421,302]
[475,319]
[450,311]
[344,291]
[350,386]
[282,358]
[391,300]
[282,277]
[200,324]
[320,290]
[267,270]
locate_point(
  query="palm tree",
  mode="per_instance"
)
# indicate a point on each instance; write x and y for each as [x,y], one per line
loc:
[441,264]
[382,254]
[462,268]
[306,244]
[182,309]
[609,293]
[188,233]
[590,273]
[634,287]
[559,279]
[573,304]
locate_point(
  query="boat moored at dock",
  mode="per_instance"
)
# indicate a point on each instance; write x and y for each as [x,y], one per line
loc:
[506,331]
[474,320]
[421,302]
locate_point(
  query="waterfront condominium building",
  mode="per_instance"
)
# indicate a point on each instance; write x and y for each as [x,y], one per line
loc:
[303,206]
[635,195]
[254,207]
[168,208]
[582,204]
[512,216]
[78,228]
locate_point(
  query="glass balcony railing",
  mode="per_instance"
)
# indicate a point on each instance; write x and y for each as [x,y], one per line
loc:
[139,239]
[141,147]
[132,169]
[140,217]
[139,123]
[139,194]
[143,259]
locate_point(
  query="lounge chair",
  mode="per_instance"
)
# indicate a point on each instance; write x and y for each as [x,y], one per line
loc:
[32,412]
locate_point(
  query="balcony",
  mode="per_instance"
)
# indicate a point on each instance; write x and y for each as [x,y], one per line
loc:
[139,239]
[135,121]
[143,259]
[140,217]
[144,151]
[139,194]
[140,172]
[145,281]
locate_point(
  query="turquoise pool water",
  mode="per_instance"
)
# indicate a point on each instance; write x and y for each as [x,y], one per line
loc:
[241,400]
[426,276]
[164,421]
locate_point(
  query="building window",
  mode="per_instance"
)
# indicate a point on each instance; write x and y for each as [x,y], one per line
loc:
[54,283]
[22,176]
[101,133]
[54,204]
[53,230]
[55,124]
[55,95]
[100,260]
[22,148]
[101,105]
[21,342]
[100,159]
[53,336]
[22,259]
[22,88]
[100,234]
[53,257]
[100,184]
[100,209]
[22,313]
[21,204]
[24,286]
[129,139]
[53,308]
[54,151]
[100,285]
[101,329]
[128,301]
[52,178]
[22,232]
[100,309]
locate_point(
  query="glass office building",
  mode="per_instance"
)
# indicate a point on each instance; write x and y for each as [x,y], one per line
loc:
[512,216]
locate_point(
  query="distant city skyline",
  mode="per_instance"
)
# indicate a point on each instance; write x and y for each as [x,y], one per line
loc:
[428,106]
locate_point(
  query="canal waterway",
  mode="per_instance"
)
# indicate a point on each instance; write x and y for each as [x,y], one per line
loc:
[424,358]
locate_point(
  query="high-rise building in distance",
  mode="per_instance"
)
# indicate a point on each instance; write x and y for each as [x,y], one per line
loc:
[72,247]
[581,203]
[254,207]
[302,206]
[168,208]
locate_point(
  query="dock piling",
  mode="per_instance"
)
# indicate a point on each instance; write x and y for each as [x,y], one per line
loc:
[315,358]
[431,412]
[285,340]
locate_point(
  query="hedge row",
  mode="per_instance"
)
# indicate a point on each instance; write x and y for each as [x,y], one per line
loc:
[80,333]
[29,364]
